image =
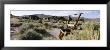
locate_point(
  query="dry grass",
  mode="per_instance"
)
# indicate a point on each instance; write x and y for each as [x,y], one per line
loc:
[87,33]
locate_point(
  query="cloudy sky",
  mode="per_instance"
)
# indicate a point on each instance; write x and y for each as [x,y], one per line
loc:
[87,13]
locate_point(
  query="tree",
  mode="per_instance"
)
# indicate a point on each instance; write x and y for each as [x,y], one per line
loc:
[75,26]
[34,17]
[70,19]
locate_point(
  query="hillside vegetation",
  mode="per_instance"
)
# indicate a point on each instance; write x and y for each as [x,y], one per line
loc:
[40,29]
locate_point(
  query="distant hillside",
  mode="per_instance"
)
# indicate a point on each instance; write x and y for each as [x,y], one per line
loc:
[91,19]
[66,17]
[38,15]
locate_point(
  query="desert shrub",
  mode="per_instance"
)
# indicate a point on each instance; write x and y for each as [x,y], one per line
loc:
[21,20]
[30,35]
[46,24]
[80,27]
[96,27]
[54,26]
[14,20]
[88,25]
[31,25]
[16,24]
[41,31]
[40,21]
[84,36]
[80,35]
[96,31]
[23,28]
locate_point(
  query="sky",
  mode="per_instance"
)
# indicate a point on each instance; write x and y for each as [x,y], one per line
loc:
[86,13]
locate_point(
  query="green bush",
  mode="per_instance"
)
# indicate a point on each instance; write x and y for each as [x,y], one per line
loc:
[96,27]
[31,25]
[31,35]
[40,21]
[23,28]
[16,24]
[41,31]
